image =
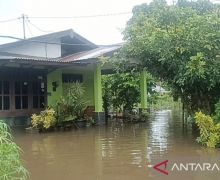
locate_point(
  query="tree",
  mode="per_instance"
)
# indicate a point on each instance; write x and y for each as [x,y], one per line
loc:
[10,163]
[121,90]
[179,44]
[201,6]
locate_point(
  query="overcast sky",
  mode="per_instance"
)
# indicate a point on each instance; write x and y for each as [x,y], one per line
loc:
[100,30]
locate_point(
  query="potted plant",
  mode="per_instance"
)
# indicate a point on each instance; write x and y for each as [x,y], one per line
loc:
[73,104]
[63,113]
[45,120]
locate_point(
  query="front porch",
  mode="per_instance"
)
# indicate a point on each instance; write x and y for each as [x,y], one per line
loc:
[27,86]
[90,76]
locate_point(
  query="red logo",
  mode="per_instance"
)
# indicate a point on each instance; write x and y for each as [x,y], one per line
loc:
[161,167]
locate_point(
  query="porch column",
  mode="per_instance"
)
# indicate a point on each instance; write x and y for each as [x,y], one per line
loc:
[143,88]
[99,114]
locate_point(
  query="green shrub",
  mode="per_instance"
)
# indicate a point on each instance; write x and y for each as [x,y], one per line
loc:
[45,119]
[209,130]
[217,112]
[10,163]
[73,104]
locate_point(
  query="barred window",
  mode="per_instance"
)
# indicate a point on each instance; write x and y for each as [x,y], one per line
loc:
[72,78]
[21,95]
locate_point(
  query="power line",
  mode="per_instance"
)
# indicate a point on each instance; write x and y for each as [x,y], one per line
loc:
[39,29]
[68,17]
[9,20]
[28,27]
[43,42]
[23,17]
[75,17]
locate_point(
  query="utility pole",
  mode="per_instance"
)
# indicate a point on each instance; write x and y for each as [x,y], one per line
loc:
[23,22]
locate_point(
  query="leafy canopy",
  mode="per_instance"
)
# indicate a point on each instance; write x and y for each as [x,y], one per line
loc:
[179,44]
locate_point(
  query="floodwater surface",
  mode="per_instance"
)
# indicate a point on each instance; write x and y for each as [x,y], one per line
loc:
[117,152]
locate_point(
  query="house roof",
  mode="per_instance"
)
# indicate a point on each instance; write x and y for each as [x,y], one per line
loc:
[7,58]
[77,58]
[48,38]
[87,55]
[7,55]
[91,54]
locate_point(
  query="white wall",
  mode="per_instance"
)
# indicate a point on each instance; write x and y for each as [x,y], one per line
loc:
[36,49]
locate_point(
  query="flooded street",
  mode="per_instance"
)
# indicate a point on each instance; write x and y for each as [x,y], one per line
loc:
[116,152]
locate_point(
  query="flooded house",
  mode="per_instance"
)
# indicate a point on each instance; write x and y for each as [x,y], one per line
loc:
[34,72]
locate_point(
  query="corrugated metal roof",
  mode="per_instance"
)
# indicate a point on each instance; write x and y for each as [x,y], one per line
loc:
[82,57]
[6,55]
[49,37]
[92,54]
[7,58]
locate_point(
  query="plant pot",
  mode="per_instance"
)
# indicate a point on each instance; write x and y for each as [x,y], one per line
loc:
[43,130]
[32,130]
[80,123]
[67,125]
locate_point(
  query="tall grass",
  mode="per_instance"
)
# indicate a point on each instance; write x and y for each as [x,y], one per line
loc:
[11,167]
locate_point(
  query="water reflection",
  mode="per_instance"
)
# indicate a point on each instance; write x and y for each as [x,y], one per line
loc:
[117,152]
[159,131]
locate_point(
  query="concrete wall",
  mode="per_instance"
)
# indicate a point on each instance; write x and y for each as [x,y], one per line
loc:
[36,49]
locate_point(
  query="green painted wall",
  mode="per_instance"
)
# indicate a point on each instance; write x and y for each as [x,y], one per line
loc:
[87,83]
[94,99]
[53,96]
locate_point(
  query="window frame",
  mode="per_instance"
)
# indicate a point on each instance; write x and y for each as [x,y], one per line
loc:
[21,95]
[3,95]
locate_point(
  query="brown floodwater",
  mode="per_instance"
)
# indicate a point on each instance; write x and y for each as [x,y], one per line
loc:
[116,152]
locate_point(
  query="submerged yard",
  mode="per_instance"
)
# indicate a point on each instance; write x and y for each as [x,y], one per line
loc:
[114,152]
[61,80]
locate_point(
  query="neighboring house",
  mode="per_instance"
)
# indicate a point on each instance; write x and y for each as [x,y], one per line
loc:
[34,72]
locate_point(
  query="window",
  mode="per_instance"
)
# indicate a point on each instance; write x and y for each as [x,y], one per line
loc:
[21,95]
[72,78]
[4,95]
[38,94]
